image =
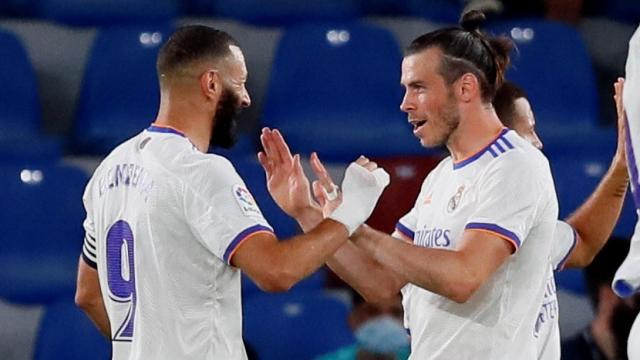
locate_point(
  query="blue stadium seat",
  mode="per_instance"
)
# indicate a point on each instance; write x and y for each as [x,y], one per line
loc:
[20,137]
[107,12]
[255,179]
[285,12]
[335,90]
[576,177]
[445,11]
[120,93]
[67,333]
[571,280]
[297,326]
[42,231]
[551,63]
[19,104]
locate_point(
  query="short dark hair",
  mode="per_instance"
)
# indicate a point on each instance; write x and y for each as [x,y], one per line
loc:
[467,50]
[192,43]
[604,266]
[504,102]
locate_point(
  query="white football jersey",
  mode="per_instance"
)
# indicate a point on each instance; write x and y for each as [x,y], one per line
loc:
[547,330]
[163,221]
[505,189]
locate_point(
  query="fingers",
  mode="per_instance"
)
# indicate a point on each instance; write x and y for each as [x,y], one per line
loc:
[321,172]
[281,147]
[267,144]
[366,163]
[275,146]
[618,87]
[297,166]
[266,164]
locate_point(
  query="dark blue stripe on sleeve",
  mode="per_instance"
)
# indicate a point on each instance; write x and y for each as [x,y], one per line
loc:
[495,228]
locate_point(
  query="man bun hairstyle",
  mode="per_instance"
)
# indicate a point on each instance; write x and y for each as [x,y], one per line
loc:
[467,50]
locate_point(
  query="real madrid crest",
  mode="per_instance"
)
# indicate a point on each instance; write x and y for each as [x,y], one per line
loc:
[455,199]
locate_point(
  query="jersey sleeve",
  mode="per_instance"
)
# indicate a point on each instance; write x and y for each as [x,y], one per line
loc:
[89,249]
[406,226]
[221,210]
[508,197]
[564,241]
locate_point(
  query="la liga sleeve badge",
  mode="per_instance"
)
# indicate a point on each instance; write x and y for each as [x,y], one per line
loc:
[245,200]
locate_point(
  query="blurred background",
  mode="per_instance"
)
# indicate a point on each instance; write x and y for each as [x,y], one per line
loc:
[77,77]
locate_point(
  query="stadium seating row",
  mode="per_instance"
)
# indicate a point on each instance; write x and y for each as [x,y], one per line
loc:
[271,12]
[43,235]
[349,102]
[300,325]
[42,238]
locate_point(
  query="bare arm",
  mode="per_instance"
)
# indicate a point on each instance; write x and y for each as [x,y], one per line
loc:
[291,190]
[372,280]
[454,274]
[278,265]
[89,297]
[595,219]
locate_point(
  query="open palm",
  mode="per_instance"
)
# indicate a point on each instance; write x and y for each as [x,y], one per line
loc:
[286,181]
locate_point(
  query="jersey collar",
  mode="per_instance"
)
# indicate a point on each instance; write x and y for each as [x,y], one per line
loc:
[165,129]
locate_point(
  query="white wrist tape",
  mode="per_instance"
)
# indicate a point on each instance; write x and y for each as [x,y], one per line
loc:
[361,189]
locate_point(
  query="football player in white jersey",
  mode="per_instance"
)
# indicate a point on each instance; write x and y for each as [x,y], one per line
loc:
[169,227]
[475,261]
[580,237]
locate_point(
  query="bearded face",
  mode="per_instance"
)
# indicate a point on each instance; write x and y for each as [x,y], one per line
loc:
[223,133]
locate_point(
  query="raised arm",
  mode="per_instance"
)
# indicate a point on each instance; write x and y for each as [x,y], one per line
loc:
[595,219]
[278,265]
[290,189]
[372,280]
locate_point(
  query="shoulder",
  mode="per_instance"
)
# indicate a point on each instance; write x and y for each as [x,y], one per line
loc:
[522,159]
[207,174]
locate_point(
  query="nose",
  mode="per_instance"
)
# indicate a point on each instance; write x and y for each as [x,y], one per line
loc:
[536,140]
[406,105]
[245,99]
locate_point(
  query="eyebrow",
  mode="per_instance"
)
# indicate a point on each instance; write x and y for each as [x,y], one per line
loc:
[415,83]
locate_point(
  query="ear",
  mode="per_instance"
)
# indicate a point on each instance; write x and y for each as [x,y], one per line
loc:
[467,87]
[210,84]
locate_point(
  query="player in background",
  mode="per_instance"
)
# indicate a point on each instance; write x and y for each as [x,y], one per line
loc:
[475,261]
[169,228]
[627,279]
[579,238]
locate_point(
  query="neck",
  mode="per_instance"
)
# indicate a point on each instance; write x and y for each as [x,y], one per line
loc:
[478,127]
[188,115]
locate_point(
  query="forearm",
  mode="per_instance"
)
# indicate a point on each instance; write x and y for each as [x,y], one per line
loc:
[594,220]
[301,255]
[443,272]
[96,311]
[368,277]
[89,297]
